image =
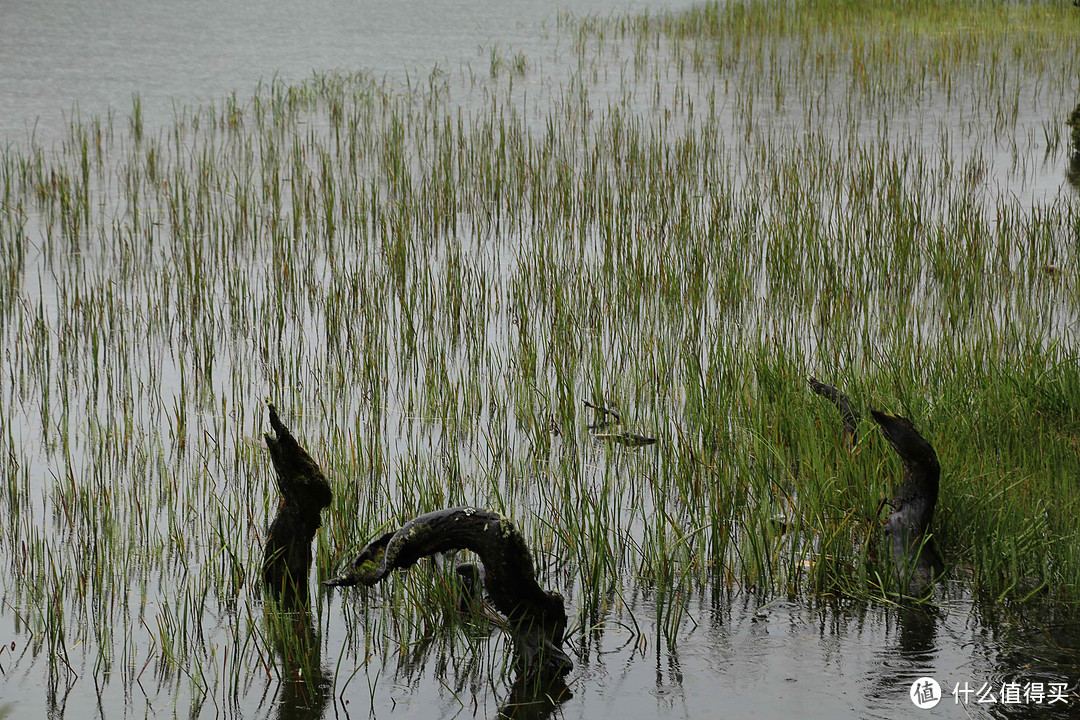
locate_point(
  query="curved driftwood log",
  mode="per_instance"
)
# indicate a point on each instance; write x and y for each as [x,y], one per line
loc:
[304,493]
[848,414]
[915,555]
[537,617]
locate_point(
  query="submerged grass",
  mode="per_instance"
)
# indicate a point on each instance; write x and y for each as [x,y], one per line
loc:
[709,207]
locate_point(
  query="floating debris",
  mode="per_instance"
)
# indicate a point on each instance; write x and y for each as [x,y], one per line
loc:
[627,439]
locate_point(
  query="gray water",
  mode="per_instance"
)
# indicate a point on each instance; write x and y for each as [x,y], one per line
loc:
[734,655]
[59,57]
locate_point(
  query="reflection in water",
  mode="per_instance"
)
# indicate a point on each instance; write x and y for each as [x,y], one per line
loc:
[525,704]
[469,671]
[304,688]
[914,655]
[744,656]
[918,631]
[1072,171]
[1005,647]
[669,687]
[56,701]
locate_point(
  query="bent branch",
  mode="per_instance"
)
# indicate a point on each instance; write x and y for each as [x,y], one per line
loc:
[537,617]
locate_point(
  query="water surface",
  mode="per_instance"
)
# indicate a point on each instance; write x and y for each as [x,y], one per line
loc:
[137,356]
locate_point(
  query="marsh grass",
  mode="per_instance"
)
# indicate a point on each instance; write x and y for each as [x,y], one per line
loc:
[707,208]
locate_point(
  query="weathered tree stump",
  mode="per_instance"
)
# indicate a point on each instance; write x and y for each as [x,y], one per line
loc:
[304,493]
[914,552]
[1074,123]
[537,618]
[916,561]
[286,565]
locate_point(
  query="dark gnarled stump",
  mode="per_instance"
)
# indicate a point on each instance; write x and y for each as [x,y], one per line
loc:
[915,557]
[304,493]
[537,617]
[286,564]
[915,554]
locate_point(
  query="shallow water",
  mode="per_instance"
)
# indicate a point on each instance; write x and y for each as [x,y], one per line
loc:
[734,656]
[740,657]
[94,56]
[182,470]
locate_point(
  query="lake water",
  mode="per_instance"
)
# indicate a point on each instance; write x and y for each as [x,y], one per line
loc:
[95,56]
[732,654]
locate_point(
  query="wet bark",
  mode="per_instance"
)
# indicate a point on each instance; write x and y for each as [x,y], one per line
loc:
[537,618]
[286,565]
[916,561]
[848,414]
[915,554]
[304,493]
